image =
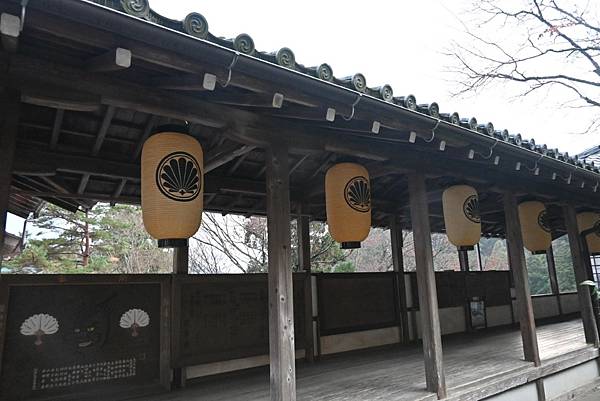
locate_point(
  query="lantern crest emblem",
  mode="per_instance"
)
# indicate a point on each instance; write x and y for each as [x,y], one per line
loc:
[358,194]
[178,177]
[543,221]
[471,209]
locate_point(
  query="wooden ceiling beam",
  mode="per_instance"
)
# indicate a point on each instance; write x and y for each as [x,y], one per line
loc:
[104,126]
[83,183]
[56,127]
[40,161]
[26,72]
[90,36]
[150,125]
[182,82]
[449,163]
[59,98]
[112,60]
[237,164]
[224,154]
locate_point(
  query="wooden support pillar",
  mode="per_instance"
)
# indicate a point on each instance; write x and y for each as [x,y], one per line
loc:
[281,300]
[553,277]
[398,263]
[9,121]
[303,231]
[463,260]
[516,260]
[581,274]
[428,305]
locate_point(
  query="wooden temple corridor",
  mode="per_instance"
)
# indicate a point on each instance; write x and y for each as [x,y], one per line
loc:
[475,364]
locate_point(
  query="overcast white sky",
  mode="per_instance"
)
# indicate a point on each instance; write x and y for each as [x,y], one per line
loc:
[400,43]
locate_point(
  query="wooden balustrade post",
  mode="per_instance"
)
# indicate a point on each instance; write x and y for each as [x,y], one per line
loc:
[303,231]
[398,264]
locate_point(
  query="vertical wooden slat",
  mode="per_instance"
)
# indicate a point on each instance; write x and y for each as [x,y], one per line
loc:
[9,119]
[4,294]
[180,267]
[303,231]
[281,300]
[165,334]
[581,274]
[428,305]
[516,260]
[553,277]
[398,263]
[181,260]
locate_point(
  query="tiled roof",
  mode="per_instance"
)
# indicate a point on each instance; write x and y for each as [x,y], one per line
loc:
[591,155]
[196,25]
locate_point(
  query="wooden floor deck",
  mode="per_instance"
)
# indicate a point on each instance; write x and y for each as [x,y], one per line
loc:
[396,373]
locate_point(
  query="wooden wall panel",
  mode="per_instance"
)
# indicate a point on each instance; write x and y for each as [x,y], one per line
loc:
[454,288]
[356,301]
[223,317]
[81,339]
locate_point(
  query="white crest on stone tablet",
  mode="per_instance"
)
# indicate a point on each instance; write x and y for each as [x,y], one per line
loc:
[39,325]
[134,319]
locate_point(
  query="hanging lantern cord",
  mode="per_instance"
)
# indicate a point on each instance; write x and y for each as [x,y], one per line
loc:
[491,152]
[535,166]
[230,69]
[437,124]
[353,107]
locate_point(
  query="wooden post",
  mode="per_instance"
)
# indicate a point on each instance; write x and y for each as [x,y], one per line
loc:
[9,111]
[180,267]
[581,274]
[463,260]
[428,305]
[303,230]
[516,260]
[398,263]
[553,277]
[281,300]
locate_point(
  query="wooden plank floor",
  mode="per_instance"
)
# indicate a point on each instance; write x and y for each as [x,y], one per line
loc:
[395,373]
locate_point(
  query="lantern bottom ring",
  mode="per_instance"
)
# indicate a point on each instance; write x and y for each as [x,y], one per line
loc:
[173,243]
[465,247]
[351,245]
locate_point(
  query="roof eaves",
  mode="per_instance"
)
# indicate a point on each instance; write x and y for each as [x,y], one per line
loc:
[317,81]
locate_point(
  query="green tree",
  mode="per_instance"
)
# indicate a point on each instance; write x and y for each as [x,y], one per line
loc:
[537,269]
[104,239]
[564,265]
